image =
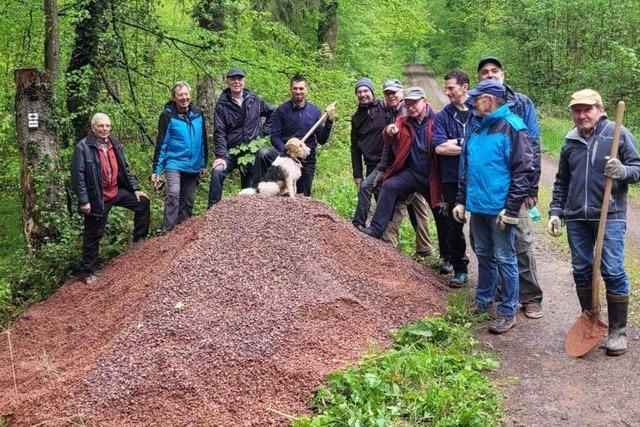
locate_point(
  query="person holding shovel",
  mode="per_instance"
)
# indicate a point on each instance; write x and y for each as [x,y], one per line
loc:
[294,119]
[577,201]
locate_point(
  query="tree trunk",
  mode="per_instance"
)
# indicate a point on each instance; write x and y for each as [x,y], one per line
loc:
[35,136]
[328,25]
[206,99]
[51,42]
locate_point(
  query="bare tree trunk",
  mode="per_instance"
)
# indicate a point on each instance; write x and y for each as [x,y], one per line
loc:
[51,42]
[39,156]
[206,99]
[328,25]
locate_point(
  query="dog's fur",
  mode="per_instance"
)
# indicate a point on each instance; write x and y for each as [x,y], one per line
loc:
[284,172]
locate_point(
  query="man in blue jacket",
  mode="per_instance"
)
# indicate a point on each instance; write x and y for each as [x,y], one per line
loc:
[494,181]
[490,67]
[292,119]
[450,129]
[577,200]
[238,120]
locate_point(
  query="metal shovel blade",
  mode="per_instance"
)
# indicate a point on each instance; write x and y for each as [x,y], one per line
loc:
[584,335]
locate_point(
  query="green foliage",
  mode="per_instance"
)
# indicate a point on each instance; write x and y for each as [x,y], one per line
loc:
[432,375]
[246,153]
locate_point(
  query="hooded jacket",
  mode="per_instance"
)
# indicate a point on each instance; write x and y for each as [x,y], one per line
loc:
[181,143]
[86,173]
[366,136]
[497,164]
[580,181]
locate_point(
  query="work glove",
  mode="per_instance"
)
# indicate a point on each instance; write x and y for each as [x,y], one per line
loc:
[615,169]
[504,220]
[458,214]
[554,227]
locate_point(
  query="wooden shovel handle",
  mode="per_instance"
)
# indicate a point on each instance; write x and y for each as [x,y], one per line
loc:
[597,260]
[315,126]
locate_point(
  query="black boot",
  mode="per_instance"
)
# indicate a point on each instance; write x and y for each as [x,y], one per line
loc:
[617,309]
[586,298]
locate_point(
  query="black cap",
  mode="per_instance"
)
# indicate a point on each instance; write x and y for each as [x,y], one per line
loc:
[488,59]
[235,72]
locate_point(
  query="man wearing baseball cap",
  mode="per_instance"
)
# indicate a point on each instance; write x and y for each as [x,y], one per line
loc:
[490,67]
[413,169]
[238,120]
[496,168]
[577,199]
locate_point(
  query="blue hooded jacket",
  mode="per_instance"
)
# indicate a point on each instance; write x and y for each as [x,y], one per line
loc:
[497,165]
[181,144]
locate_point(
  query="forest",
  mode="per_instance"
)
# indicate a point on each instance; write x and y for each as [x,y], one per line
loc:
[122,57]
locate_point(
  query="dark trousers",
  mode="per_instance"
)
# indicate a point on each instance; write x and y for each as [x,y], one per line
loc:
[266,156]
[94,226]
[453,231]
[364,197]
[219,174]
[178,203]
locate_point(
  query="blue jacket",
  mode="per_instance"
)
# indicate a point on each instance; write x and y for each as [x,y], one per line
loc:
[579,186]
[181,143]
[497,164]
[449,125]
[290,121]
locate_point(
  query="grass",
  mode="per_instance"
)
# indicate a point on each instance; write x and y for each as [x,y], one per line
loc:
[433,374]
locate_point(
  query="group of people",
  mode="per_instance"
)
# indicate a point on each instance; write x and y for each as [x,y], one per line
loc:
[479,155]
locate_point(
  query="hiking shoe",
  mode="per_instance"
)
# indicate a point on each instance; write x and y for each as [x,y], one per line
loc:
[88,279]
[458,280]
[480,310]
[502,324]
[369,232]
[446,269]
[533,310]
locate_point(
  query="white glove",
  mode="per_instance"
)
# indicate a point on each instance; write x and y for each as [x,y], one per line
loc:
[615,169]
[504,220]
[554,227]
[458,214]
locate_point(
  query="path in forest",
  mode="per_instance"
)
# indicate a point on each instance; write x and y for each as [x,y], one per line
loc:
[542,385]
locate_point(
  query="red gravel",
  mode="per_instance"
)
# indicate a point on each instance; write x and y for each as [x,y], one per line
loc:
[231,319]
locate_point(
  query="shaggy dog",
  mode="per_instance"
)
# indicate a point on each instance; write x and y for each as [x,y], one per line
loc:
[284,172]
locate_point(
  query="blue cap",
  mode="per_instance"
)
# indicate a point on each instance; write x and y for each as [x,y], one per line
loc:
[489,87]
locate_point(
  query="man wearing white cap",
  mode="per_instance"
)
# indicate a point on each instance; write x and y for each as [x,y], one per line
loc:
[577,199]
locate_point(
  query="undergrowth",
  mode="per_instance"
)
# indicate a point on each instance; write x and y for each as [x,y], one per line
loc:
[433,374]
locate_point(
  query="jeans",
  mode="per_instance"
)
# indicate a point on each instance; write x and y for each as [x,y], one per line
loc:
[266,156]
[496,255]
[219,174]
[178,203]
[582,240]
[364,198]
[94,227]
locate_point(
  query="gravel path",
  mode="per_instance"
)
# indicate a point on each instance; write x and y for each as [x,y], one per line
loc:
[544,386]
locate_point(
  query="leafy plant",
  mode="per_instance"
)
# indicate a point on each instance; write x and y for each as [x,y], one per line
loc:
[246,153]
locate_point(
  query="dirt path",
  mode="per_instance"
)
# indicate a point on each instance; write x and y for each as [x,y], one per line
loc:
[543,386]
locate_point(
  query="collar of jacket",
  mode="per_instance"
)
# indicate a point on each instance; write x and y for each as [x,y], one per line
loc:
[498,114]
[172,108]
[226,97]
[600,126]
[92,141]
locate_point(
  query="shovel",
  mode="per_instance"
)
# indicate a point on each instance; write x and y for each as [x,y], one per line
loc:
[318,123]
[588,330]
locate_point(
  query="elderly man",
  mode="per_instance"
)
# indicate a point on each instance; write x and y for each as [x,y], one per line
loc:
[100,178]
[451,128]
[238,120]
[490,67]
[413,169]
[415,206]
[295,118]
[577,200]
[366,146]
[494,181]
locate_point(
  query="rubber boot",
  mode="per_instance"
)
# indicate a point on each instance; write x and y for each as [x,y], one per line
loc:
[617,309]
[585,296]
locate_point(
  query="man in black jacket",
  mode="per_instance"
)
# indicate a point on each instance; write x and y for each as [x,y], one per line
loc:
[100,177]
[237,121]
[366,144]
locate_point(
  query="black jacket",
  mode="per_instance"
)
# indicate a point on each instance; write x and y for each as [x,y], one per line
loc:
[366,136]
[86,173]
[579,186]
[235,125]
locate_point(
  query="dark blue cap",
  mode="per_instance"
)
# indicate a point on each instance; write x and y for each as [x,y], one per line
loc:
[235,72]
[489,87]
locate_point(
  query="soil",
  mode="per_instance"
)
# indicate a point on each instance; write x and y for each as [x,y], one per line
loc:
[232,320]
[544,386]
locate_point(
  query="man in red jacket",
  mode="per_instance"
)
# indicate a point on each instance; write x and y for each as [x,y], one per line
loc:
[414,168]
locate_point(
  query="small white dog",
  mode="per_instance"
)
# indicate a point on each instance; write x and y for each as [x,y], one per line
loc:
[284,172]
